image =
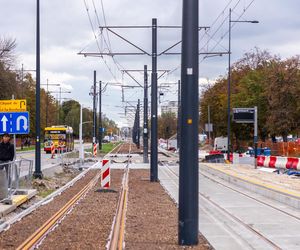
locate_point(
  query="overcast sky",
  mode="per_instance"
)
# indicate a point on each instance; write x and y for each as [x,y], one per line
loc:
[66,30]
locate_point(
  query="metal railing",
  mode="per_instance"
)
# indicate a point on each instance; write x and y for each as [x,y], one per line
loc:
[10,175]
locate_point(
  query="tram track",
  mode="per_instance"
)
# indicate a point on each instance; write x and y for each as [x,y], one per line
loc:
[229,214]
[117,149]
[118,228]
[44,230]
[237,190]
[249,196]
[33,240]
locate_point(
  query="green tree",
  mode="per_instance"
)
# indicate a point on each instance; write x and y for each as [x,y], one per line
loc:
[262,80]
[167,125]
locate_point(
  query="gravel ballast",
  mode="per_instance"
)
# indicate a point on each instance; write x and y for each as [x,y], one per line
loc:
[21,230]
[152,217]
[88,226]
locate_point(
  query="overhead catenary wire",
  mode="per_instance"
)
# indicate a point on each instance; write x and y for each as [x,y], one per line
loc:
[221,25]
[95,36]
[92,26]
[206,32]
[107,40]
[212,36]
[239,17]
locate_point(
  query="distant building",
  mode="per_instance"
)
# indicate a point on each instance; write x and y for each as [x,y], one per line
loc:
[172,107]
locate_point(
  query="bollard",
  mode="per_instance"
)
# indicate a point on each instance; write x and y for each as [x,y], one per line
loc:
[95,150]
[52,151]
[105,174]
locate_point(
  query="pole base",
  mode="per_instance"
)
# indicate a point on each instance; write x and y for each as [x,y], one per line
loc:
[38,175]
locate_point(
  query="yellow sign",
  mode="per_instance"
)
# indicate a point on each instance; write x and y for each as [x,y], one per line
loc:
[12,105]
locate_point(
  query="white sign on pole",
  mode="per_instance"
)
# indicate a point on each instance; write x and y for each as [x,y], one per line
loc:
[208,127]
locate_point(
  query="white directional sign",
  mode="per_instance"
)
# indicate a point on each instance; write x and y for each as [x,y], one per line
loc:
[14,122]
[208,127]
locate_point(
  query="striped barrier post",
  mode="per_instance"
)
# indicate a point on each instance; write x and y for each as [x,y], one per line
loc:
[260,160]
[278,162]
[105,174]
[281,162]
[52,151]
[272,162]
[95,150]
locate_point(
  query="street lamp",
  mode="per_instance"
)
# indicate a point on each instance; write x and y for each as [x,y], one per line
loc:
[229,79]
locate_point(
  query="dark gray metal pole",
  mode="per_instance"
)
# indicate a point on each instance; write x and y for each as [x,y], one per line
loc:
[145,131]
[57,108]
[59,105]
[178,114]
[255,136]
[208,117]
[100,115]
[94,109]
[188,172]
[22,80]
[38,172]
[153,164]
[47,103]
[138,124]
[228,89]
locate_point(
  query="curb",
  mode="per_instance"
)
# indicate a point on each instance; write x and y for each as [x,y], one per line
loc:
[282,195]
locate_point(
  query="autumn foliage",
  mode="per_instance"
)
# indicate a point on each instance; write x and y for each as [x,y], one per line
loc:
[258,79]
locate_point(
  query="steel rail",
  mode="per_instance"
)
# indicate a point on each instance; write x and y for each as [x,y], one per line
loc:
[45,229]
[244,194]
[250,228]
[117,237]
[119,149]
[249,196]
[40,233]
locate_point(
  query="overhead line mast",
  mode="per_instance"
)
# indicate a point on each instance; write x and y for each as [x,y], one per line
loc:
[154,55]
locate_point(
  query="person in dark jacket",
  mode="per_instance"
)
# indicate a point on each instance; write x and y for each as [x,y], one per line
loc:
[7,152]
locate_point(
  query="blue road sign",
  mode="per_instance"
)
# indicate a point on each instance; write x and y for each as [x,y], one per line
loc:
[102,130]
[14,122]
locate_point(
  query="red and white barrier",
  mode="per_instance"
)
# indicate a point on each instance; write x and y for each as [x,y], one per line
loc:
[52,151]
[95,150]
[278,162]
[105,174]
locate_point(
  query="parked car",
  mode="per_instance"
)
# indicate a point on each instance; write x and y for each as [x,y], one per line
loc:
[106,139]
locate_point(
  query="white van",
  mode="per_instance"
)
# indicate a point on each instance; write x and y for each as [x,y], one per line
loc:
[220,144]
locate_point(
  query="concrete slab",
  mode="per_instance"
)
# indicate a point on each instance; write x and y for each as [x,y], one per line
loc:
[284,195]
[229,219]
[131,166]
[139,166]
[6,209]
[118,165]
[21,196]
